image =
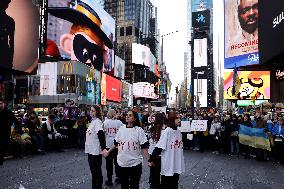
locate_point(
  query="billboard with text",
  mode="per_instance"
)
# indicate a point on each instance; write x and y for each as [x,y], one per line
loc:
[200,52]
[241,33]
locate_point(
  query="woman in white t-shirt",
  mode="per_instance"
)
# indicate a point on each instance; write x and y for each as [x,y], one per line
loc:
[155,133]
[170,147]
[111,127]
[95,146]
[131,140]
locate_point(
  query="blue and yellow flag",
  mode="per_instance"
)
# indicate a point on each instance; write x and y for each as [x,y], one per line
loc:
[254,137]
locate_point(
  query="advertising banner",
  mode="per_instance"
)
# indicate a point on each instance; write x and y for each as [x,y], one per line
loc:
[198,125]
[249,85]
[144,89]
[103,89]
[141,55]
[200,52]
[201,19]
[48,78]
[200,90]
[113,89]
[14,35]
[81,31]
[241,33]
[271,29]
[119,69]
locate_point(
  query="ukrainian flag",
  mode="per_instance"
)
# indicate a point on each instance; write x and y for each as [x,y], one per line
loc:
[254,137]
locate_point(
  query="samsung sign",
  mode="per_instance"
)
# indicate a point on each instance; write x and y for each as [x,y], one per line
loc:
[271,30]
[278,19]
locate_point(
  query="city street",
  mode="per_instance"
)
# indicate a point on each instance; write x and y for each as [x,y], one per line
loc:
[70,169]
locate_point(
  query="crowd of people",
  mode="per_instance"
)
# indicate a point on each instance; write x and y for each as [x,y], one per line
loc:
[124,137]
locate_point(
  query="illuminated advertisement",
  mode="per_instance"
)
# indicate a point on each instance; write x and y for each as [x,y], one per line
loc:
[241,33]
[144,89]
[48,78]
[201,19]
[113,89]
[249,85]
[14,35]
[200,52]
[81,31]
[200,90]
[119,68]
[141,55]
[271,28]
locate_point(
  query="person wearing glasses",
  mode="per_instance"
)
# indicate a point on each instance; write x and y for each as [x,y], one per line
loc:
[130,140]
[170,147]
[95,146]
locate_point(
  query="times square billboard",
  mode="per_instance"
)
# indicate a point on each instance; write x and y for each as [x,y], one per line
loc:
[77,30]
[241,33]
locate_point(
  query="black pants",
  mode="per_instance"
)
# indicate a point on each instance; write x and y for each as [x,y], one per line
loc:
[154,178]
[170,182]
[110,160]
[130,176]
[1,155]
[279,151]
[95,163]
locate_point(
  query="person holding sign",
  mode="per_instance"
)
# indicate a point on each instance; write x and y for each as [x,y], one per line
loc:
[170,147]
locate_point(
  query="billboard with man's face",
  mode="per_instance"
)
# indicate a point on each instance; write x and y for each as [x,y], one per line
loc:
[241,33]
[248,85]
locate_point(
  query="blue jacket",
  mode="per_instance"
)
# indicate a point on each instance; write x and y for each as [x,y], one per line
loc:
[275,130]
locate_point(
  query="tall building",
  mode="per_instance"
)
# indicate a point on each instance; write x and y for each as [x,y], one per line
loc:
[136,22]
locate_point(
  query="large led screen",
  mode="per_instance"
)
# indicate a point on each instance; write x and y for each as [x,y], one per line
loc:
[19,34]
[271,29]
[201,19]
[119,69]
[248,85]
[82,31]
[103,89]
[113,89]
[241,33]
[200,52]
[141,55]
[200,90]
[144,89]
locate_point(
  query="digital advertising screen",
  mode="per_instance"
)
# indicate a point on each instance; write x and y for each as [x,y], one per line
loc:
[119,68]
[103,89]
[141,55]
[200,90]
[200,52]
[113,89]
[271,29]
[249,85]
[48,78]
[241,33]
[201,19]
[144,89]
[82,31]
[14,35]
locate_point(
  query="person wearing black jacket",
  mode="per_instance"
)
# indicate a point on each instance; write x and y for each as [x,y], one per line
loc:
[95,146]
[247,122]
[7,119]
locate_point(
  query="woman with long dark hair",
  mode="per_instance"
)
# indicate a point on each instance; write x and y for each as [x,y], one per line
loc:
[130,140]
[155,133]
[95,146]
[170,147]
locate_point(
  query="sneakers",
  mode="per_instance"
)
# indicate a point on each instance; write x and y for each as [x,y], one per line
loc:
[108,183]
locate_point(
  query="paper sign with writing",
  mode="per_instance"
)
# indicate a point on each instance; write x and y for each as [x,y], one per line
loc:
[198,125]
[185,126]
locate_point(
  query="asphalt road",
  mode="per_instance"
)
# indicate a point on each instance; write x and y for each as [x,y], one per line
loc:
[70,169]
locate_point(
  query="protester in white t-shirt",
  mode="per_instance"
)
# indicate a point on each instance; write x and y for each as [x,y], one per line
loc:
[170,147]
[131,140]
[111,127]
[155,133]
[95,146]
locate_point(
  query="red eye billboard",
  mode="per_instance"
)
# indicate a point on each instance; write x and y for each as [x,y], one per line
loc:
[113,89]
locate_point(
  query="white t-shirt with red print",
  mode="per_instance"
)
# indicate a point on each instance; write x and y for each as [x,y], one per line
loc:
[92,144]
[172,160]
[129,146]
[111,128]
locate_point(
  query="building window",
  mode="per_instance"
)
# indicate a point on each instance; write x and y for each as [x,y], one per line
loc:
[122,31]
[128,30]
